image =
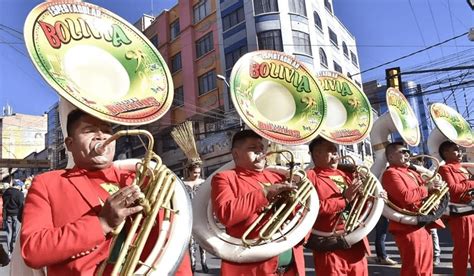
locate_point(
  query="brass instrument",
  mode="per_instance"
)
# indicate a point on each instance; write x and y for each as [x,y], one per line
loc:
[436,197]
[369,184]
[285,207]
[157,183]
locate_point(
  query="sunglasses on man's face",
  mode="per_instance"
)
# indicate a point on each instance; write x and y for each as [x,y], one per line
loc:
[404,151]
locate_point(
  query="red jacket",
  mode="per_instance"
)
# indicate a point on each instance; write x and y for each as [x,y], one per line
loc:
[405,189]
[61,229]
[457,180]
[332,203]
[237,198]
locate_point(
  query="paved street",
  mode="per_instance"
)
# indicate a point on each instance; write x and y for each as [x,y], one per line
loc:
[374,269]
[445,268]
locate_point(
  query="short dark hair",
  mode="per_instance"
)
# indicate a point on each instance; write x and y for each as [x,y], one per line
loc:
[391,147]
[316,142]
[444,147]
[72,118]
[240,136]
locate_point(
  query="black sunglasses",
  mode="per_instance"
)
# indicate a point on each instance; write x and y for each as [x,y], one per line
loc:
[404,151]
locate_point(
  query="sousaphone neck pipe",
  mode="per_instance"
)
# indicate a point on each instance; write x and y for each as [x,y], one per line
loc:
[100,148]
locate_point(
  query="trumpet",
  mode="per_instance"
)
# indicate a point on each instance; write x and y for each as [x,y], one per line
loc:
[432,178]
[286,206]
[157,183]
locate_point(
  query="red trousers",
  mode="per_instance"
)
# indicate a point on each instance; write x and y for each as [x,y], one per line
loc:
[462,233]
[341,262]
[416,252]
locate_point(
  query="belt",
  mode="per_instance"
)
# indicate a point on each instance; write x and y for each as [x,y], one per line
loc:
[281,270]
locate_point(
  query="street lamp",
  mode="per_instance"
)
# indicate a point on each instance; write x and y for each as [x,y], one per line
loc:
[224,79]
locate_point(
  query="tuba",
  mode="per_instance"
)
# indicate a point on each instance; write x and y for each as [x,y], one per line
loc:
[451,126]
[350,123]
[260,81]
[111,71]
[401,118]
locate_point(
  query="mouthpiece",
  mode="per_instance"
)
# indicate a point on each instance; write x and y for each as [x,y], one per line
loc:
[100,149]
[260,156]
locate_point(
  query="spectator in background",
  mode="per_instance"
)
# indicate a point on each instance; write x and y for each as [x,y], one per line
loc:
[13,200]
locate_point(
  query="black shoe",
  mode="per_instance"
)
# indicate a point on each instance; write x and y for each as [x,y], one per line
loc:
[205,269]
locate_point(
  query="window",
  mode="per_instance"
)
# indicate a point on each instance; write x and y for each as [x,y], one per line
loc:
[264,6]
[232,57]
[176,62]
[201,10]
[154,40]
[344,49]
[204,45]
[317,21]
[333,37]
[178,98]
[354,59]
[337,67]
[233,19]
[301,42]
[323,59]
[297,6]
[270,40]
[207,82]
[174,29]
[328,5]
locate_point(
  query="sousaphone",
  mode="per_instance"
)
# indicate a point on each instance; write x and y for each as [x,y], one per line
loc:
[451,126]
[101,64]
[400,118]
[278,98]
[349,123]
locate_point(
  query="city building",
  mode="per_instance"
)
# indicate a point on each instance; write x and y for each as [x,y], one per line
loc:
[202,40]
[21,135]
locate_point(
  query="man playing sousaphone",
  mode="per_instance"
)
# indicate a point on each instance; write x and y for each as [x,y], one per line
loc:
[336,189]
[406,189]
[240,195]
[69,214]
[461,227]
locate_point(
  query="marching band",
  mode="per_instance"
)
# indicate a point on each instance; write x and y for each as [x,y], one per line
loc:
[101,217]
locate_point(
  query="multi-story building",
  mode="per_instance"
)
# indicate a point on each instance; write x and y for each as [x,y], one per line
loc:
[203,39]
[55,139]
[21,135]
[376,93]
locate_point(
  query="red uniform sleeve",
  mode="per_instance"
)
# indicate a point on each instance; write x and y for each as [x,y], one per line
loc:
[399,190]
[457,183]
[231,209]
[335,203]
[42,244]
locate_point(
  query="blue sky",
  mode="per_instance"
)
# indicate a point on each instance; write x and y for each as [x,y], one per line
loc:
[384,30]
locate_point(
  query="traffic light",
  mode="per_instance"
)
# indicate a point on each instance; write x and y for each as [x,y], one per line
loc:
[394,78]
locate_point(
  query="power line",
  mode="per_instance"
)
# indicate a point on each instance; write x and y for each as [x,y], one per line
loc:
[411,54]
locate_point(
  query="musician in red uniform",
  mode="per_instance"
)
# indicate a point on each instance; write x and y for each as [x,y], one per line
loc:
[336,189]
[69,214]
[462,227]
[406,189]
[238,197]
